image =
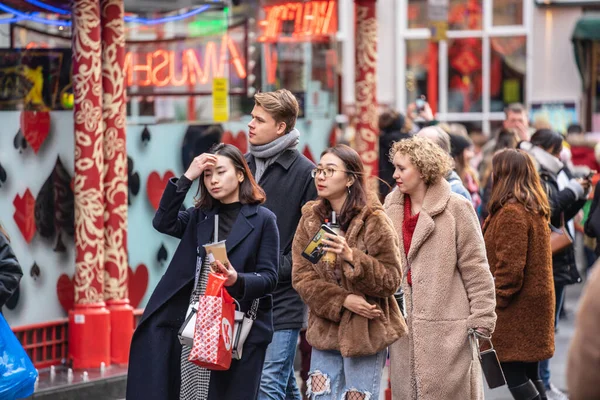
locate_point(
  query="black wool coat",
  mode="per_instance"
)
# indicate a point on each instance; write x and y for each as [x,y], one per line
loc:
[288,186]
[252,249]
[10,271]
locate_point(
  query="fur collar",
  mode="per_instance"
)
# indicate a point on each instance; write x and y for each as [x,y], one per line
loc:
[435,201]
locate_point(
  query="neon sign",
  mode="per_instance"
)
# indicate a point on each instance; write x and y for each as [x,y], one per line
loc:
[186,68]
[310,20]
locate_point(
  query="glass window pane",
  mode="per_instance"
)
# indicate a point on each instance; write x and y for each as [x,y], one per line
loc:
[507,12]
[507,71]
[465,15]
[421,66]
[464,75]
[417,14]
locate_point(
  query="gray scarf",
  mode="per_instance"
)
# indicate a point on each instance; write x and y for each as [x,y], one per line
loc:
[266,154]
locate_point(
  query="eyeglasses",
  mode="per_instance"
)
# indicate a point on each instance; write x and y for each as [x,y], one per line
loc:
[327,172]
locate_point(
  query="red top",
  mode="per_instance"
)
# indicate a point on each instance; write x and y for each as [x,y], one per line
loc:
[408,228]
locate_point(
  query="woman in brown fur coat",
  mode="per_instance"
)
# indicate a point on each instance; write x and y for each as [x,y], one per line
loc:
[353,316]
[448,287]
[517,239]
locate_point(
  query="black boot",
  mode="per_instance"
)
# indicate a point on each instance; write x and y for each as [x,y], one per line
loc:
[526,391]
[541,388]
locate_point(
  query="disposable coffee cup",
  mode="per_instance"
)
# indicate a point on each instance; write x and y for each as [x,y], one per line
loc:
[217,251]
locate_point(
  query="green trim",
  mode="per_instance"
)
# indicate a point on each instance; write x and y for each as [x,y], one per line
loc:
[587,28]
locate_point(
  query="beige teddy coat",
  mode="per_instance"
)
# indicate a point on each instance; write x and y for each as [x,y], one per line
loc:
[453,290]
[374,274]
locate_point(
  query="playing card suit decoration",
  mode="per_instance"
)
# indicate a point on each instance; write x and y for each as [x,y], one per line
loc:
[137,284]
[308,154]
[133,180]
[54,206]
[35,126]
[146,135]
[155,186]
[65,291]
[2,175]
[24,214]
[13,300]
[240,140]
[162,254]
[19,142]
[199,139]
[34,272]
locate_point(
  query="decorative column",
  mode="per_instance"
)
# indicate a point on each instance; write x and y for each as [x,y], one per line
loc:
[115,180]
[89,321]
[367,130]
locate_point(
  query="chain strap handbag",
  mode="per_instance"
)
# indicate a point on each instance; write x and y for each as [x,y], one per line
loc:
[488,359]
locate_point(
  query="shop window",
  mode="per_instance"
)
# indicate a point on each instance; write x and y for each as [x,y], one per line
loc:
[421,71]
[464,75]
[507,71]
[462,14]
[507,12]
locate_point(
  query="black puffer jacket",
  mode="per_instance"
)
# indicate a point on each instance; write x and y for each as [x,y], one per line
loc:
[10,271]
[387,137]
[563,203]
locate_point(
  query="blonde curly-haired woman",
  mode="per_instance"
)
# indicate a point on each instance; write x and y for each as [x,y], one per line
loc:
[447,284]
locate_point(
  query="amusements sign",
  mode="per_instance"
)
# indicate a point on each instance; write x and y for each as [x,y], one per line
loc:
[36,79]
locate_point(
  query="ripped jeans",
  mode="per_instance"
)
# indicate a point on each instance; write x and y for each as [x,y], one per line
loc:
[339,378]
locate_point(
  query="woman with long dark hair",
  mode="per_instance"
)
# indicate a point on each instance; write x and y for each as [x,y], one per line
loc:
[158,366]
[353,316]
[517,240]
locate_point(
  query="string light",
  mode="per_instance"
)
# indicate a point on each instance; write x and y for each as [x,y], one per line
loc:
[20,16]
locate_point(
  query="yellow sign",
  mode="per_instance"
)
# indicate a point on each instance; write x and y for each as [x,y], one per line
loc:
[438,30]
[220,100]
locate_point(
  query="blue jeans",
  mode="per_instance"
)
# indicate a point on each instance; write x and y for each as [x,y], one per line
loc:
[278,381]
[332,375]
[559,292]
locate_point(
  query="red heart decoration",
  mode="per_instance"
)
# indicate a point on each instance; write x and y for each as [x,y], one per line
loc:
[24,215]
[35,126]
[240,140]
[306,152]
[137,284]
[155,186]
[66,292]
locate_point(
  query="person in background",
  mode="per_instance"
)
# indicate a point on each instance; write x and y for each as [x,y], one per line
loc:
[393,128]
[447,284]
[10,269]
[583,365]
[353,315]
[517,241]
[567,196]
[440,137]
[517,120]
[461,150]
[285,176]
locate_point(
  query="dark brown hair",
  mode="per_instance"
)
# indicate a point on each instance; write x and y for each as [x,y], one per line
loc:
[357,199]
[515,179]
[250,192]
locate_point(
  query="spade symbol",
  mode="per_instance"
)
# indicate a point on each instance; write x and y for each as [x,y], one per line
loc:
[162,255]
[34,272]
[11,303]
[19,142]
[145,135]
[2,175]
[133,180]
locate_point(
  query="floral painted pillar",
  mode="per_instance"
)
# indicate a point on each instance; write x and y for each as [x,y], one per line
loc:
[89,321]
[367,132]
[115,180]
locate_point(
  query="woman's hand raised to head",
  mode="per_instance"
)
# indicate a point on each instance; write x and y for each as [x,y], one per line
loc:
[199,165]
[360,306]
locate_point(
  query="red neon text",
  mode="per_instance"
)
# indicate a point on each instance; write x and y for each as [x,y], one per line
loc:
[158,68]
[310,20]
